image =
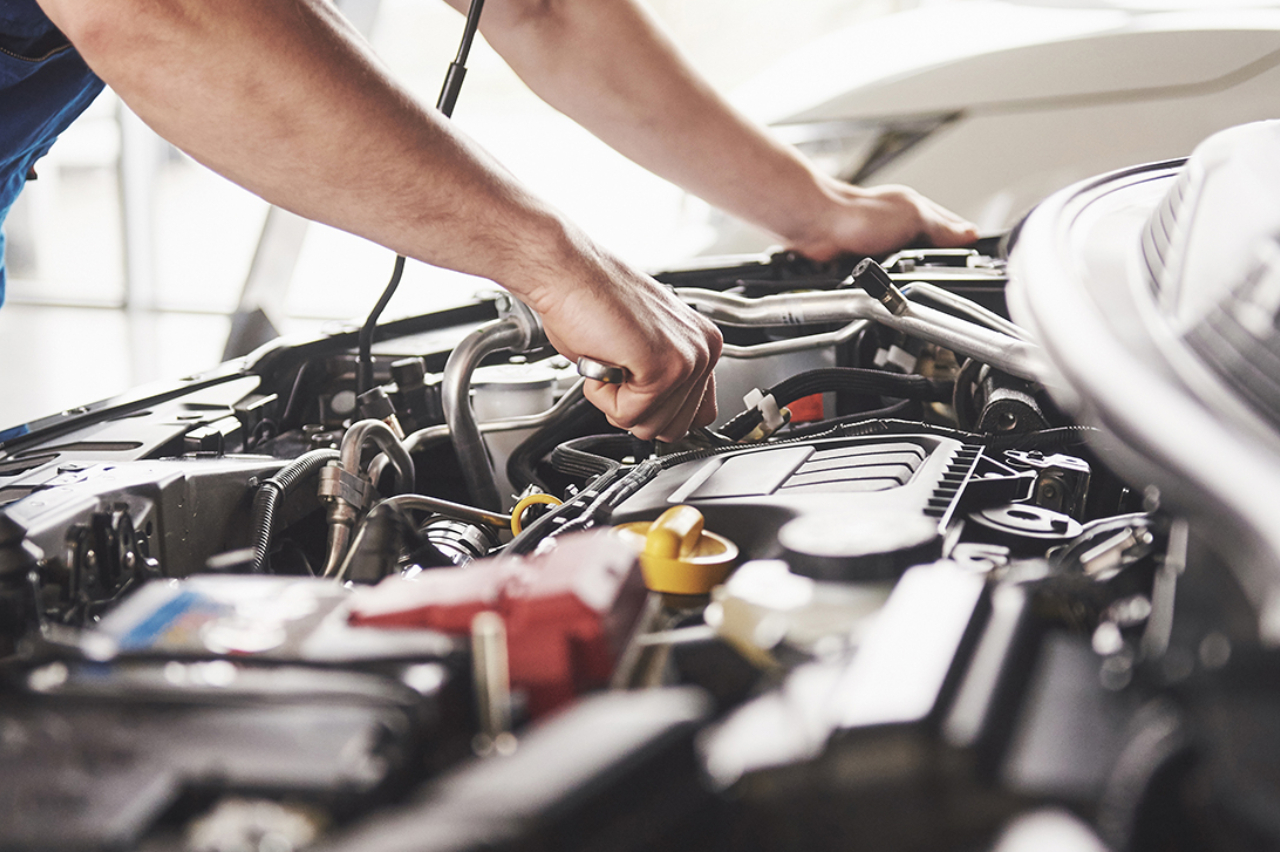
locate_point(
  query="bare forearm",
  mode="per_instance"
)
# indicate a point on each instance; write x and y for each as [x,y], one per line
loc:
[284,98]
[609,66]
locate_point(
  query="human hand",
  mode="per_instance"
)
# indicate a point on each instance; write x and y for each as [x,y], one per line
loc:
[625,318]
[876,220]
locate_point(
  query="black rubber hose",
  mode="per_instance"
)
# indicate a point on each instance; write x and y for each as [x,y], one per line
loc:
[578,420]
[268,497]
[842,379]
[592,456]
[364,360]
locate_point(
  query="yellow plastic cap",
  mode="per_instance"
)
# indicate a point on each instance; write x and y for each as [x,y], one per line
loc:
[677,556]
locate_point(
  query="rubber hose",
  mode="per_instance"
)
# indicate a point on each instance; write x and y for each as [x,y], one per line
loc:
[268,496]
[579,419]
[585,457]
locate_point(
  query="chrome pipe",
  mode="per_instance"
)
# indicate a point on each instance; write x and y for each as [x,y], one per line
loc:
[1016,357]
[967,307]
[795,344]
[436,506]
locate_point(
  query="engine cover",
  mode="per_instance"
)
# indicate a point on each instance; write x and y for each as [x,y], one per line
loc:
[909,483]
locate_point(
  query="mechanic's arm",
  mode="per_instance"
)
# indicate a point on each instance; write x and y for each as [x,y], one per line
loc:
[283,97]
[607,65]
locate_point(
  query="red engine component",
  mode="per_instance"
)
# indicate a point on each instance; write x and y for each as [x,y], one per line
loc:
[568,611]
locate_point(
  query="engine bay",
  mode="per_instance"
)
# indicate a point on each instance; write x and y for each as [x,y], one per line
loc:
[896,598]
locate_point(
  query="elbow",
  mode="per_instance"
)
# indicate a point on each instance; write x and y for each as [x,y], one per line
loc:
[99,30]
[86,25]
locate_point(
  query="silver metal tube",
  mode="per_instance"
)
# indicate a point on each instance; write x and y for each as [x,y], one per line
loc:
[423,503]
[455,390]
[342,515]
[336,547]
[1017,357]
[424,438]
[795,344]
[968,307]
[361,433]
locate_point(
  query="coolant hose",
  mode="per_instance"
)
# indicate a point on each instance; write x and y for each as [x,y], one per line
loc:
[455,391]
[268,497]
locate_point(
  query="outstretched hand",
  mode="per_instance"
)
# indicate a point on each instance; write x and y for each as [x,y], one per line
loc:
[876,220]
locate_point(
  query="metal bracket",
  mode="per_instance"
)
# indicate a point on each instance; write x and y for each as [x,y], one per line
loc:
[339,484]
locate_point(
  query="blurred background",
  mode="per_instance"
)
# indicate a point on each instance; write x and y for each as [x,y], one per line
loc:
[127,260]
[126,257]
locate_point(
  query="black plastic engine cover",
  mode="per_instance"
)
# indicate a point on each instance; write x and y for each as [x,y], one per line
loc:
[749,495]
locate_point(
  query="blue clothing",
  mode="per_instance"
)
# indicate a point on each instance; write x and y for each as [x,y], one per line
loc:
[44,85]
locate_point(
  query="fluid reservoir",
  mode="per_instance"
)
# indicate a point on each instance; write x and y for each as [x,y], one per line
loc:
[503,391]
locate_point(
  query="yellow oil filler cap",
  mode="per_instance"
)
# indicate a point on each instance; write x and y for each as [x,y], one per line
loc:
[679,557]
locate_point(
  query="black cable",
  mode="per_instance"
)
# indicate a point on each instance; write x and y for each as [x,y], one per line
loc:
[899,410]
[448,97]
[458,68]
[364,378]
[295,398]
[269,494]
[847,379]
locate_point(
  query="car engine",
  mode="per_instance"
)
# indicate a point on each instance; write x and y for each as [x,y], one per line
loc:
[919,588]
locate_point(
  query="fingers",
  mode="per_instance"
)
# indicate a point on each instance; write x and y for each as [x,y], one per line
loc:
[691,413]
[667,350]
[877,220]
[665,409]
[944,228]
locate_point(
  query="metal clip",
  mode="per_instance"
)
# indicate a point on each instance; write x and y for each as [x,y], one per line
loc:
[338,484]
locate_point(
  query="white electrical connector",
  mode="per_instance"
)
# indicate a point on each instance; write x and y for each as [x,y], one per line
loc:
[771,416]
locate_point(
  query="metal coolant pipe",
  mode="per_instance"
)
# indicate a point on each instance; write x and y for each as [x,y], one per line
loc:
[455,391]
[343,512]
[377,432]
[1016,357]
